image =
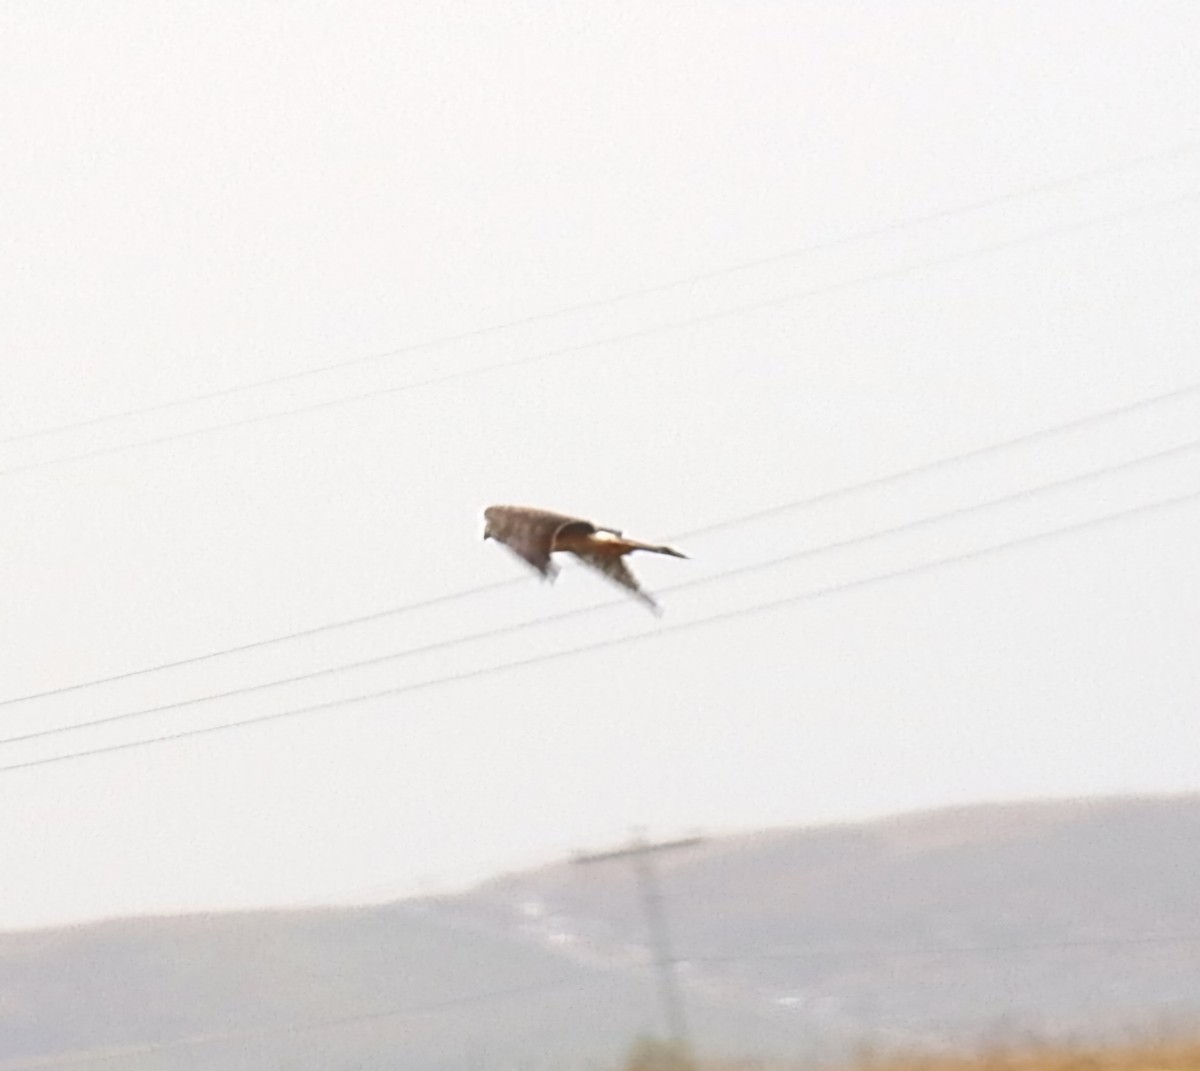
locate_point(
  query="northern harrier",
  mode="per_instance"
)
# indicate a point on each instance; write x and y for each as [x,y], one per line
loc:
[534,534]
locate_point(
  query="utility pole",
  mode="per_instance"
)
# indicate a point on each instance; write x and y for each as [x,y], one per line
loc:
[640,853]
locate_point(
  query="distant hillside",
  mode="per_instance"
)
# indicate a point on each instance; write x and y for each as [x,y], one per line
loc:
[1081,916]
[302,990]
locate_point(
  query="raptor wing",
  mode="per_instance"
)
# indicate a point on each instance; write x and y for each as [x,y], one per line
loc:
[528,533]
[613,567]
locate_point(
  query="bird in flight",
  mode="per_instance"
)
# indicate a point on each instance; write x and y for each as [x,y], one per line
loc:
[534,534]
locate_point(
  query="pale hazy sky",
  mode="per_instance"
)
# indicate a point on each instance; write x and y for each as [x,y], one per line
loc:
[197,197]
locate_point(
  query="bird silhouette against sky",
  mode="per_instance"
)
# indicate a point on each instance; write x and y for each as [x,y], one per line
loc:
[534,534]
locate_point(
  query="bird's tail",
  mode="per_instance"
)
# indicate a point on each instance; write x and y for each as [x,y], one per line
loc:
[655,548]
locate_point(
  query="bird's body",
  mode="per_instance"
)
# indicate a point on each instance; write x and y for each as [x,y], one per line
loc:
[534,534]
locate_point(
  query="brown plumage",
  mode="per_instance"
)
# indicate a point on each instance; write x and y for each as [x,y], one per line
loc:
[534,534]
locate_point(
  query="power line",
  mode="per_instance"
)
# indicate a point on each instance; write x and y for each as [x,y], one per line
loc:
[307,1026]
[883,951]
[937,518]
[944,462]
[875,481]
[509,629]
[629,336]
[728,615]
[576,982]
[238,648]
[465,336]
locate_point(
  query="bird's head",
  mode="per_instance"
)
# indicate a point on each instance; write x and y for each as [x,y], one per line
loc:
[487,522]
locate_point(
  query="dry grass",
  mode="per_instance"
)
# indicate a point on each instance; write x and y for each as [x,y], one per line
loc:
[1180,1055]
[1157,1055]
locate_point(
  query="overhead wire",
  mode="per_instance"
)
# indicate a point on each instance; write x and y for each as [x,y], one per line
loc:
[309,1025]
[361,619]
[619,641]
[1073,179]
[838,492]
[882,952]
[943,462]
[628,336]
[577,982]
[558,618]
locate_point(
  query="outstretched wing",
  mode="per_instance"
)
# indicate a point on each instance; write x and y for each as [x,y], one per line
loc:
[617,571]
[529,533]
